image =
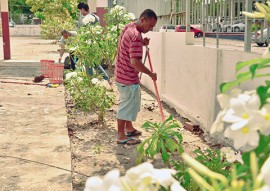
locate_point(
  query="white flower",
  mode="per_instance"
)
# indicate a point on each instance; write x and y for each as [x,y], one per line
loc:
[164,176]
[265,127]
[131,16]
[224,102]
[265,171]
[218,124]
[233,156]
[243,137]
[114,2]
[224,99]
[225,150]
[244,110]
[70,75]
[95,81]
[93,183]
[177,187]
[110,182]
[142,177]
[88,19]
[105,84]
[73,48]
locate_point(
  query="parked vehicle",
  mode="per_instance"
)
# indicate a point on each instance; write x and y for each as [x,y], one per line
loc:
[11,23]
[260,40]
[239,27]
[182,28]
[236,26]
[167,28]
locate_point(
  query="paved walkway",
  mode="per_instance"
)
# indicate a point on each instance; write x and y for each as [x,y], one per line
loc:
[34,142]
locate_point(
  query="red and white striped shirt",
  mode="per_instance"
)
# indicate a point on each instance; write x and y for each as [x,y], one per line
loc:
[129,46]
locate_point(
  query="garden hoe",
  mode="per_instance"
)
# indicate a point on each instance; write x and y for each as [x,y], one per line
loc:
[147,54]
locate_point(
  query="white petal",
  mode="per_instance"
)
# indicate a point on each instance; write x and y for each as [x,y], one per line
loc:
[218,125]
[223,100]
[112,177]
[237,105]
[93,183]
[254,102]
[230,117]
[238,125]
[177,187]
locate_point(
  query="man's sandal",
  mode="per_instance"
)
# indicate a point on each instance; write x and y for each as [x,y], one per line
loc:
[129,141]
[133,133]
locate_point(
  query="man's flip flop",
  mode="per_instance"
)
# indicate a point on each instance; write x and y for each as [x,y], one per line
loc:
[129,141]
[133,133]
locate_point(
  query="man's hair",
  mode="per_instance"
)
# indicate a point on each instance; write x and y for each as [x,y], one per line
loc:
[148,13]
[85,7]
[80,5]
[64,31]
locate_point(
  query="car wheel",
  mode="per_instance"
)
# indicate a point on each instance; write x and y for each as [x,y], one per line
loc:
[260,44]
[266,43]
[236,29]
[199,34]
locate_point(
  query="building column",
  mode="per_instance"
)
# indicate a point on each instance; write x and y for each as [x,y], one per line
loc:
[99,7]
[5,29]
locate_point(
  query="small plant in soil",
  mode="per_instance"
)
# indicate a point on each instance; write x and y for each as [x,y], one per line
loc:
[165,139]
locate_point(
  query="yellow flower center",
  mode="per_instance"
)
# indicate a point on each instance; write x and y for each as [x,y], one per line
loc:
[245,130]
[267,116]
[245,116]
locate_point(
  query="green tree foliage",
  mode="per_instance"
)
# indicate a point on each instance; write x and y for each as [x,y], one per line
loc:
[55,14]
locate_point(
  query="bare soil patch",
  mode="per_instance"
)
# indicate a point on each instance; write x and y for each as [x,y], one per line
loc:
[94,150]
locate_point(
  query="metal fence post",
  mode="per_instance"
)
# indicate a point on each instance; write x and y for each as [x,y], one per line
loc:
[188,16]
[248,23]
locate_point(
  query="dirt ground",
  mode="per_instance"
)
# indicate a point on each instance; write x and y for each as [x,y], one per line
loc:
[94,150]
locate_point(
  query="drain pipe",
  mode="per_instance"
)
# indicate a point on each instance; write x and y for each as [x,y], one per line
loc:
[5,29]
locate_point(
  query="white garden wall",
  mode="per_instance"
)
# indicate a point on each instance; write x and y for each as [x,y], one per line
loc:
[25,30]
[189,75]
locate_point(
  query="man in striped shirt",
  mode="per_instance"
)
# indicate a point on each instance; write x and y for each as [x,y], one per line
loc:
[127,67]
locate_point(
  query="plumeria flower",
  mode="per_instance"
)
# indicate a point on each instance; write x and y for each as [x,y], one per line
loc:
[95,81]
[218,125]
[110,182]
[225,150]
[265,127]
[233,156]
[88,19]
[244,110]
[176,187]
[264,12]
[265,171]
[70,75]
[224,102]
[131,16]
[243,137]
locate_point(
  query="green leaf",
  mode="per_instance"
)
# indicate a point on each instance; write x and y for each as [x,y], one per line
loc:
[164,155]
[242,75]
[260,61]
[225,86]
[262,93]
[253,69]
[151,149]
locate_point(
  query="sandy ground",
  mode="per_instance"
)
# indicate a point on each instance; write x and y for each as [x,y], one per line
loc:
[93,143]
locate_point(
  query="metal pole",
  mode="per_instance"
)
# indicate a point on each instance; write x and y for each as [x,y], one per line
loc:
[217,36]
[203,21]
[188,16]
[248,22]
[5,29]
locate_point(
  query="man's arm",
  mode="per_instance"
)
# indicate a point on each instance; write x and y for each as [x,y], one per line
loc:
[62,48]
[140,67]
